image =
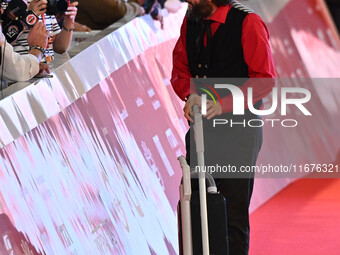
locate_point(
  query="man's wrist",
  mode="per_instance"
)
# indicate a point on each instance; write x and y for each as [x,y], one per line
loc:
[38,48]
[36,53]
[68,29]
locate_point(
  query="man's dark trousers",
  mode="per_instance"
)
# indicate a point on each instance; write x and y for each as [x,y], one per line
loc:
[235,147]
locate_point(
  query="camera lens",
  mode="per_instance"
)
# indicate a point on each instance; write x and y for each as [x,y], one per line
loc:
[55,7]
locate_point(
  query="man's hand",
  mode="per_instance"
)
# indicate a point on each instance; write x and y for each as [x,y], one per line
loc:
[43,68]
[63,39]
[70,15]
[213,109]
[38,6]
[193,99]
[160,18]
[38,35]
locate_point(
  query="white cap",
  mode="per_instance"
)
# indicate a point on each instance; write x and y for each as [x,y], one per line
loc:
[212,190]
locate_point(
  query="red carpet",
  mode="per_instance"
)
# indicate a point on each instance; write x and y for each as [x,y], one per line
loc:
[303,219]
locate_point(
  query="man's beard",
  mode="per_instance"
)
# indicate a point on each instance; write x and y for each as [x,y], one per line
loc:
[202,10]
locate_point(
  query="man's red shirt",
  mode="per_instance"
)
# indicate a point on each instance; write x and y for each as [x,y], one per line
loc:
[256,51]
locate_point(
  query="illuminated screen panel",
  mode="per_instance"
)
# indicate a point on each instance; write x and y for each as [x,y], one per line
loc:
[101,177]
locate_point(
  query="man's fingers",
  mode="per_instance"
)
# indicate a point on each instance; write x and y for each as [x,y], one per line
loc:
[186,108]
[71,14]
[210,110]
[213,109]
[188,117]
[41,26]
[187,111]
[194,99]
[211,113]
[42,3]
[44,68]
[74,4]
[209,107]
[37,26]
[71,9]
[47,70]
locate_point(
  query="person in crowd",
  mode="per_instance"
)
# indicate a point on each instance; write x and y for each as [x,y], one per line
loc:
[153,7]
[13,66]
[98,16]
[77,26]
[59,39]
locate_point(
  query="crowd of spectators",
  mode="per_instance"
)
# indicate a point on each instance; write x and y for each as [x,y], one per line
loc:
[99,16]
[30,54]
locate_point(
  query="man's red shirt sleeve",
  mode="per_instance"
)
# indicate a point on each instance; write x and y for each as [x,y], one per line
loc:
[180,78]
[258,57]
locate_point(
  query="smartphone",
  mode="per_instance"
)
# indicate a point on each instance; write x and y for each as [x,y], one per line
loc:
[43,76]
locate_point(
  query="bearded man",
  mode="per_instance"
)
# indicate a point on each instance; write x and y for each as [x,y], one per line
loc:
[225,39]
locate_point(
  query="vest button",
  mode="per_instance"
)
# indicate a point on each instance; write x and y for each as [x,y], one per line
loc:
[199,65]
[204,76]
[206,66]
[197,76]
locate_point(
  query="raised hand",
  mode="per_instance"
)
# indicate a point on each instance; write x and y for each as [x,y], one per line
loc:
[70,15]
[38,35]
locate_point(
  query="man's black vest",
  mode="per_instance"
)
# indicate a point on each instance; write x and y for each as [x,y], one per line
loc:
[226,59]
[224,144]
